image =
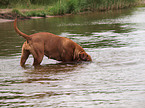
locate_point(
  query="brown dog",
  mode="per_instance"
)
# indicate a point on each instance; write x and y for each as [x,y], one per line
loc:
[52,46]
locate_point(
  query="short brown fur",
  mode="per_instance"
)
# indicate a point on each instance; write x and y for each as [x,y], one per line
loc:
[52,46]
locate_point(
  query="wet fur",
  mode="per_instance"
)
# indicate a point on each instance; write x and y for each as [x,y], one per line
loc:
[52,46]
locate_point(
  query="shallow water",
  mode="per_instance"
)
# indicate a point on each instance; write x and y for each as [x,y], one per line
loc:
[115,78]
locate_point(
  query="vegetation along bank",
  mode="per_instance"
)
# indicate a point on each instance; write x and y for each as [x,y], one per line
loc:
[9,9]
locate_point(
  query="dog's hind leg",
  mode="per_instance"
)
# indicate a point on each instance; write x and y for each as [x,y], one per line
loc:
[24,56]
[38,54]
[25,53]
[38,60]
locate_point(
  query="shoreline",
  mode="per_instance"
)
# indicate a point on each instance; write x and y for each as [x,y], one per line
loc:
[2,20]
[5,20]
[8,15]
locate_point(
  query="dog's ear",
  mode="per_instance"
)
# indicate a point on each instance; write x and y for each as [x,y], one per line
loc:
[83,56]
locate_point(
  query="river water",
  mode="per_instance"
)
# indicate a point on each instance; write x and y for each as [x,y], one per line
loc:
[115,78]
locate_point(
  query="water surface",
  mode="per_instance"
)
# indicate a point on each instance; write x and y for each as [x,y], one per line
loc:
[115,78]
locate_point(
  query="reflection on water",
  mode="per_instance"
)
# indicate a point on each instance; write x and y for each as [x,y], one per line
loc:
[115,78]
[42,74]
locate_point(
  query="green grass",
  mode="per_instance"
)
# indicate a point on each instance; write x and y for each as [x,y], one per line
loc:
[68,6]
[39,13]
[26,8]
[61,7]
[76,6]
[16,11]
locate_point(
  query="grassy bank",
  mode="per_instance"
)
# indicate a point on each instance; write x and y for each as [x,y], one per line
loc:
[76,6]
[61,7]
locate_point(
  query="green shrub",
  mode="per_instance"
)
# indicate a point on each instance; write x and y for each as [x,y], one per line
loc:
[39,13]
[16,11]
[68,6]
[76,6]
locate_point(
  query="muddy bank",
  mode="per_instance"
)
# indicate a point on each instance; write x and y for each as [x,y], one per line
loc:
[7,15]
[12,16]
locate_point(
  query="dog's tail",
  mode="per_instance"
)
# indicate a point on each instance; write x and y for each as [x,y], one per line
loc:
[27,37]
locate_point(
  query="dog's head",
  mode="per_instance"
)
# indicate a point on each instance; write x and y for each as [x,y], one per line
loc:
[85,57]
